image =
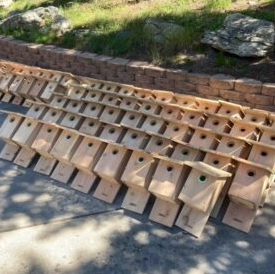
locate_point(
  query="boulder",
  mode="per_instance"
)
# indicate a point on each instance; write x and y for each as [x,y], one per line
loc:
[243,36]
[4,4]
[61,26]
[43,19]
[162,32]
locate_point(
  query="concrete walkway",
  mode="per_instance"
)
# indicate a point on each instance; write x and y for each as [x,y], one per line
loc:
[46,227]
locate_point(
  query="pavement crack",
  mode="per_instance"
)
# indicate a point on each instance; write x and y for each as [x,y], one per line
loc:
[60,220]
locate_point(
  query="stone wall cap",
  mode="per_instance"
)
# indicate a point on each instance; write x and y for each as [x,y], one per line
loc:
[248,81]
[72,51]
[222,77]
[59,49]
[134,63]
[156,68]
[119,61]
[34,46]
[103,58]
[177,71]
[49,47]
[268,89]
[269,85]
[86,54]
[10,38]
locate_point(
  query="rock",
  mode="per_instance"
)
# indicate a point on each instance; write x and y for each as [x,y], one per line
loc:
[4,4]
[243,36]
[162,32]
[43,19]
[69,4]
[61,26]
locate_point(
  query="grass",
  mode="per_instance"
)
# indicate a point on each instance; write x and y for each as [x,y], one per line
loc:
[219,5]
[116,27]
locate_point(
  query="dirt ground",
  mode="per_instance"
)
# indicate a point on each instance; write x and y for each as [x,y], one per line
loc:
[213,62]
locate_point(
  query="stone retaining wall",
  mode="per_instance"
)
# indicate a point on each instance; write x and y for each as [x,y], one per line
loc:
[242,91]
